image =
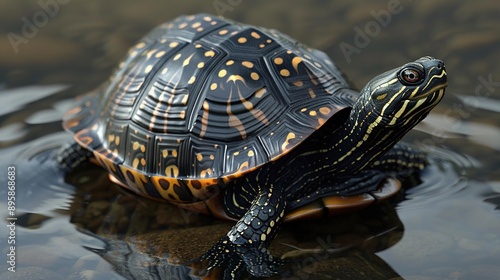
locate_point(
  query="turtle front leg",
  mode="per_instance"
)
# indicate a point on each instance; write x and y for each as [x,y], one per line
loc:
[245,245]
[401,160]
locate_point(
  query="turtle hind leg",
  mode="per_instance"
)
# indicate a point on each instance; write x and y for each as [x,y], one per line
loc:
[71,155]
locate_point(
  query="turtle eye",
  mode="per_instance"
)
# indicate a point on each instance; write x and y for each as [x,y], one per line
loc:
[411,76]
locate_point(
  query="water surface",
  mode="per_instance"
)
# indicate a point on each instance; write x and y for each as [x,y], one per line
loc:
[446,227]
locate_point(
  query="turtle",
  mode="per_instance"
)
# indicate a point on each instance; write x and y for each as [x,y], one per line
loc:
[246,124]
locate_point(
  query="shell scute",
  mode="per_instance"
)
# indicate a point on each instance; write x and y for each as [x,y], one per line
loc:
[248,41]
[237,106]
[139,149]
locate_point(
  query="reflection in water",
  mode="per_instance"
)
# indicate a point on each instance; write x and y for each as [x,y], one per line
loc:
[141,236]
[136,235]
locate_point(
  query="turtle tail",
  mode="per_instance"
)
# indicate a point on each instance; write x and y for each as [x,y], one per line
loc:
[71,155]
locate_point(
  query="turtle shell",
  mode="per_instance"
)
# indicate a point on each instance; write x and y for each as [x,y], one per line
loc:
[201,100]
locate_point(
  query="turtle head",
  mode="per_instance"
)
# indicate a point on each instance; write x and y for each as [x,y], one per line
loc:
[403,96]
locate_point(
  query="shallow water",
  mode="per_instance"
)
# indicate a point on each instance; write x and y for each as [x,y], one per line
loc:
[446,227]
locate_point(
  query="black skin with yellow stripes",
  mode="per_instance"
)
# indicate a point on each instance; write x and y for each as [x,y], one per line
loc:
[246,124]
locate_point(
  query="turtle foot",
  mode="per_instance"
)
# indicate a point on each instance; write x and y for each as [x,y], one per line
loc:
[234,259]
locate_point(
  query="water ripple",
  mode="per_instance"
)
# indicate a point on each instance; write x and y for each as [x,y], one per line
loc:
[447,127]
[43,187]
[445,176]
[479,102]
[12,132]
[18,98]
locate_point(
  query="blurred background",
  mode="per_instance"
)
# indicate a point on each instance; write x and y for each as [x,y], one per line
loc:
[447,227]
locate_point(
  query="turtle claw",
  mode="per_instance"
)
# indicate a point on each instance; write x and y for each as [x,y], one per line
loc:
[234,258]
